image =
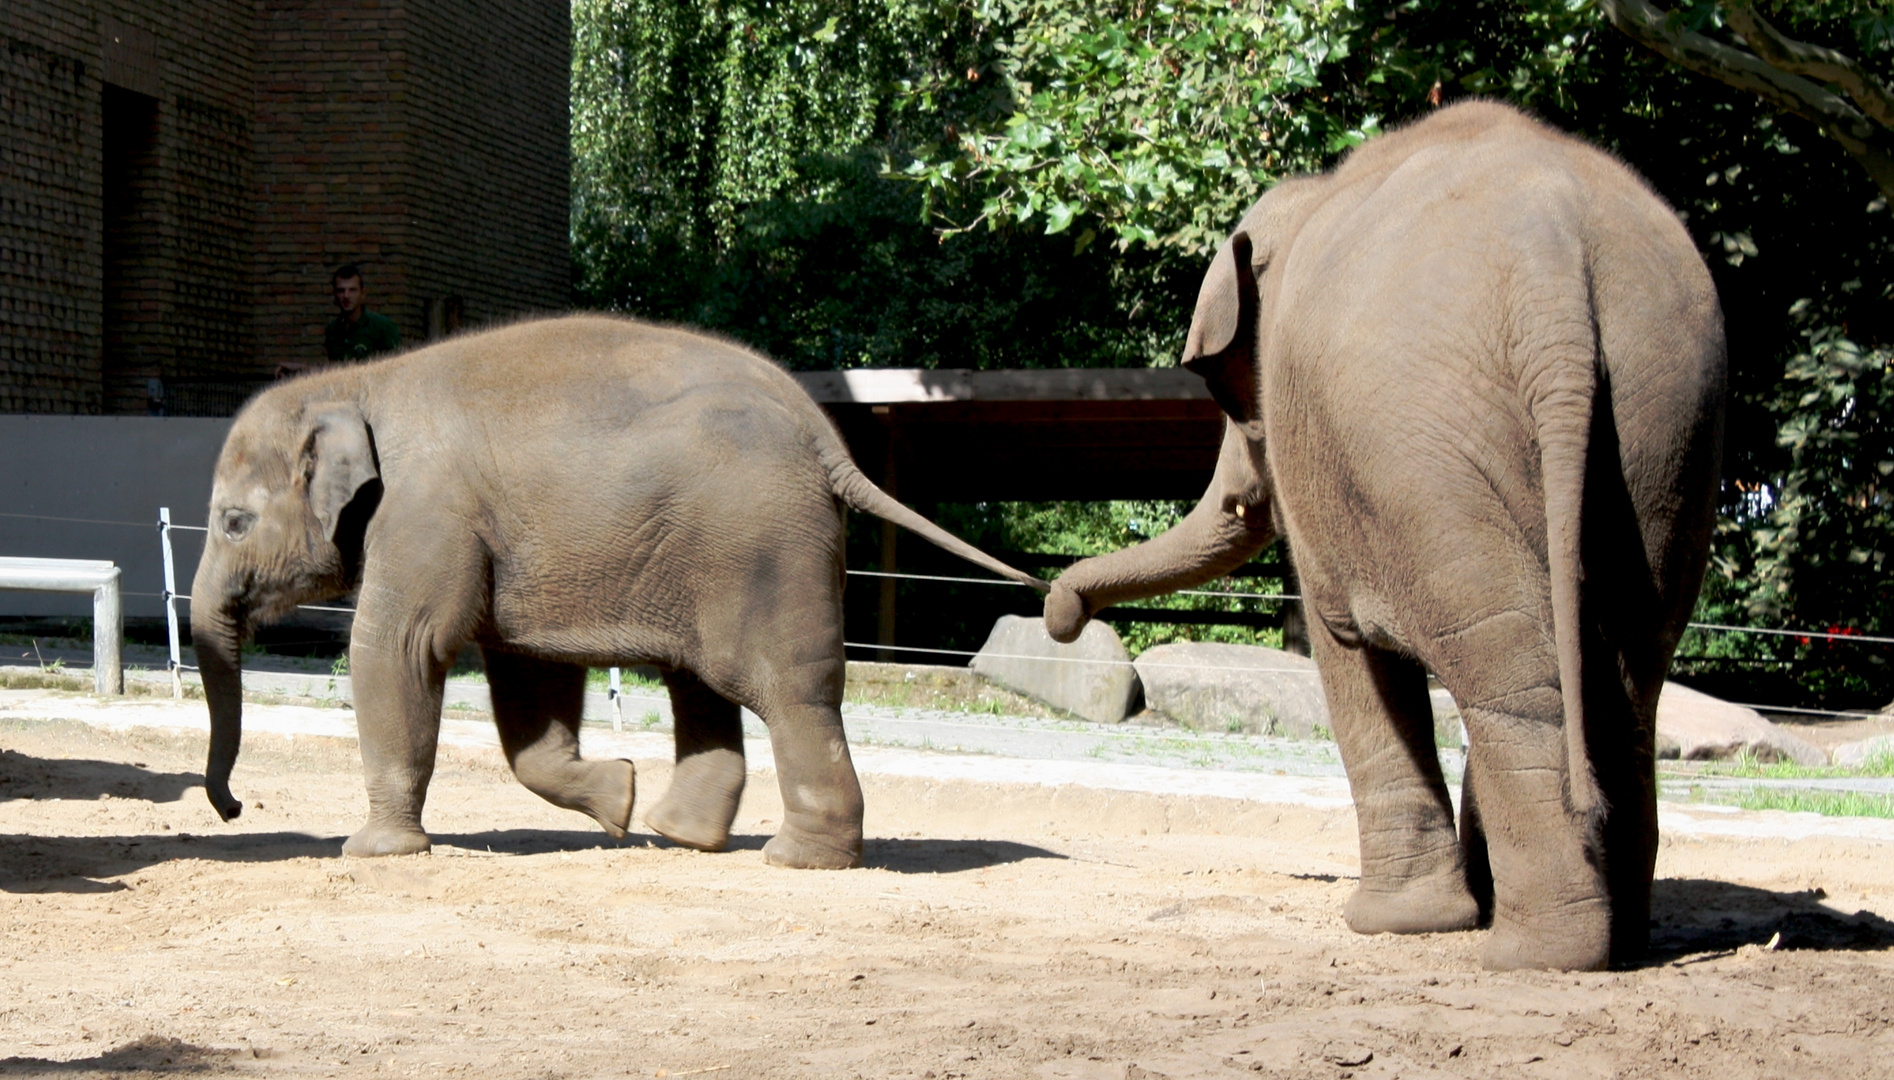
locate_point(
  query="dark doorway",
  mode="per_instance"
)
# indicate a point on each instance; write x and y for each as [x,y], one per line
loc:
[131,364]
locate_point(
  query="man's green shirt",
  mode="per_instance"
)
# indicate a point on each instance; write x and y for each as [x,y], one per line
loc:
[374,335]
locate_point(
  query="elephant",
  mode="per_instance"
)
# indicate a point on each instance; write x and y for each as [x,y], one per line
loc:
[572,492]
[1475,376]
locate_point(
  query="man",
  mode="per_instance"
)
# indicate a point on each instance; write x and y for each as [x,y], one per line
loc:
[357,333]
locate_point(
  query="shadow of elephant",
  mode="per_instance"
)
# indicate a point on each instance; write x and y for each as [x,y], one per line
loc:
[23,776]
[152,1053]
[1691,916]
[71,864]
[917,856]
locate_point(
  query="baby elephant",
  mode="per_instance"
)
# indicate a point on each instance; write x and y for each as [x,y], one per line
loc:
[570,493]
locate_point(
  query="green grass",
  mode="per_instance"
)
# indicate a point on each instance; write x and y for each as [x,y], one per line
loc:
[1826,803]
[1748,768]
[600,679]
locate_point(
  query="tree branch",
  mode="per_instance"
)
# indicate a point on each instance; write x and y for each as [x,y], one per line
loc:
[1833,114]
[1802,58]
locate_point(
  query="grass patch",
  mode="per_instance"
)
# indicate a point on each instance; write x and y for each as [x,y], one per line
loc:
[1825,803]
[1748,768]
[601,679]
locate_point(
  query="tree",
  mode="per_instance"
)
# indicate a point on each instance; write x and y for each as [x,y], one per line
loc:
[1014,183]
[1794,76]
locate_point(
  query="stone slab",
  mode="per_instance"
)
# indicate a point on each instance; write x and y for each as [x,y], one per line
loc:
[1213,686]
[1694,726]
[1092,678]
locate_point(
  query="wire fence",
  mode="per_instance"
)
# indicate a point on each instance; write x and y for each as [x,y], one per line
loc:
[171,598]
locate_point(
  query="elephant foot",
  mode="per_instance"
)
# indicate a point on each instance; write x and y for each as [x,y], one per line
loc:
[803,849]
[1436,904]
[374,840]
[612,789]
[702,802]
[1577,938]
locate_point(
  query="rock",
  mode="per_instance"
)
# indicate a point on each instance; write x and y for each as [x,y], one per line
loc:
[1092,678]
[1216,687]
[1859,753]
[1697,727]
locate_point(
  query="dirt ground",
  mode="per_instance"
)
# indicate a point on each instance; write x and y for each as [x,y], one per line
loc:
[996,931]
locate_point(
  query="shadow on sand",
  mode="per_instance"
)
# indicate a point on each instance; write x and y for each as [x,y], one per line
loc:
[147,1055]
[23,776]
[1691,916]
[922,856]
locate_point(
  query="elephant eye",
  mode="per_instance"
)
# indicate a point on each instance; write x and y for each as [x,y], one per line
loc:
[237,523]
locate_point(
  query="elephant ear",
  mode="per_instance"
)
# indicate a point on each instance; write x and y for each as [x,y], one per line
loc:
[338,459]
[1221,347]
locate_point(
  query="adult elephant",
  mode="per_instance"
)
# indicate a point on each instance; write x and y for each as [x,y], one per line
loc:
[570,493]
[1475,375]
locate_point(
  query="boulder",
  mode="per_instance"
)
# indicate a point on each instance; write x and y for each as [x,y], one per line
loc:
[1697,727]
[1091,678]
[1856,754]
[1217,687]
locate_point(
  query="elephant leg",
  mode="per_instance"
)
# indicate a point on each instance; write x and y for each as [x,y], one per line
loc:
[536,706]
[1413,875]
[822,798]
[1551,906]
[398,718]
[708,782]
[1622,745]
[1473,846]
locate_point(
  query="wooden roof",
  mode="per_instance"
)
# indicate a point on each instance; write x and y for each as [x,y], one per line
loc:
[1049,434]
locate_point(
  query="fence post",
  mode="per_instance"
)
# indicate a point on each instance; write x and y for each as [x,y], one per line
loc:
[618,708]
[108,634]
[170,600]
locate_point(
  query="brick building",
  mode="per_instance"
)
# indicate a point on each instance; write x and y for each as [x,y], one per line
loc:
[178,180]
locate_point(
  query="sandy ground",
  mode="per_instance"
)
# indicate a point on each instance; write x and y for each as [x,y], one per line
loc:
[999,929]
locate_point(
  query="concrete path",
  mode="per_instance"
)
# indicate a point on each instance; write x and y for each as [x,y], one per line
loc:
[924,743]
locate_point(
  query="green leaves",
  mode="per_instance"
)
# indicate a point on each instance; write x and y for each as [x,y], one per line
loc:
[1160,122]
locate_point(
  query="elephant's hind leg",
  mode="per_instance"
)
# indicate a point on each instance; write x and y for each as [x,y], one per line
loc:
[1547,852]
[537,705]
[1413,875]
[822,798]
[702,801]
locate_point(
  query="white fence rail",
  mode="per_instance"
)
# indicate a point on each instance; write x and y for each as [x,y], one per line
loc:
[108,611]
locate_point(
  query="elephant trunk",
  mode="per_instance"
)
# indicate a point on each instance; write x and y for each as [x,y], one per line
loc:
[1230,524]
[217,633]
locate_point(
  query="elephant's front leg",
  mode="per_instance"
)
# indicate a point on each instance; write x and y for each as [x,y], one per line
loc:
[537,705]
[398,716]
[708,782]
[1413,875]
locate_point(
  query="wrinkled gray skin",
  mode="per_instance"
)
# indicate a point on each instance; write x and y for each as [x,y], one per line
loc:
[1475,375]
[572,493]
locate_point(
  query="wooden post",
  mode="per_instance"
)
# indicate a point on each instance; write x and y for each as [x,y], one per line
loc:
[884,626]
[108,637]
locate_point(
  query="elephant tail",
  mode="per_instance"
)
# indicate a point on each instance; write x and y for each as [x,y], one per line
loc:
[1565,430]
[855,489]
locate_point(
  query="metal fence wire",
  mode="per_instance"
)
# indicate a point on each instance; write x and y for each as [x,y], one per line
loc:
[171,598]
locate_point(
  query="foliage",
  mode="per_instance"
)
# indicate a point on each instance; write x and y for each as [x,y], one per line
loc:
[1160,122]
[727,172]
[1096,528]
[1023,183]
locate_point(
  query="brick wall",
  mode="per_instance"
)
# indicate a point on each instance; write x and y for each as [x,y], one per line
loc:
[50,253]
[423,139]
[490,221]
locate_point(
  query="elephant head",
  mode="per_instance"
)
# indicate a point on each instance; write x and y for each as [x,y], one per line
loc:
[1235,519]
[293,492]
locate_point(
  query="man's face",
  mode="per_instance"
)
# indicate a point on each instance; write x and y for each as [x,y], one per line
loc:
[348,294]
